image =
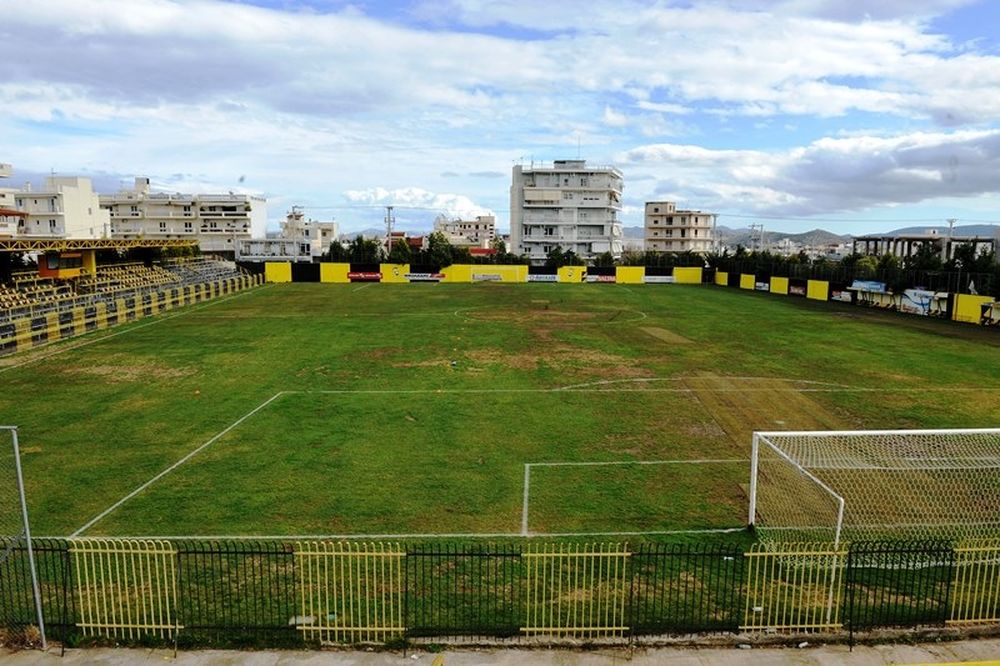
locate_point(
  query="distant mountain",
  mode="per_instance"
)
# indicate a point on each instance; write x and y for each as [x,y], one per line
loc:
[634,233]
[988,230]
[371,232]
[732,237]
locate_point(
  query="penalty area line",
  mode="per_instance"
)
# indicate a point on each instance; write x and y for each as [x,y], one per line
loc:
[527,492]
[99,517]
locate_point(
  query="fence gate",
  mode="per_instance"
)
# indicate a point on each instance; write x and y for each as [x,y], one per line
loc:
[975,597]
[576,590]
[796,587]
[21,590]
[350,592]
[127,587]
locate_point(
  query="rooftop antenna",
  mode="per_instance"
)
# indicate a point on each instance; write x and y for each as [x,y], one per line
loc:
[578,145]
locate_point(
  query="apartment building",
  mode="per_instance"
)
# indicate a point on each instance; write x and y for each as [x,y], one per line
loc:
[301,239]
[216,221]
[66,207]
[567,205]
[479,232]
[670,230]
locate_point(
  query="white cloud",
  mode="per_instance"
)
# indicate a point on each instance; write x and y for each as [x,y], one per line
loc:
[452,205]
[830,175]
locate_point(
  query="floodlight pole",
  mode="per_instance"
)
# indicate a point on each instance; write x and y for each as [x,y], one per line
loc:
[753,479]
[27,538]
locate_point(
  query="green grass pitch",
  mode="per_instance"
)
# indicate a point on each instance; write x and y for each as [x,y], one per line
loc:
[413,409]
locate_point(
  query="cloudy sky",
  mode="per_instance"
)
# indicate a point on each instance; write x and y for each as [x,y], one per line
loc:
[844,114]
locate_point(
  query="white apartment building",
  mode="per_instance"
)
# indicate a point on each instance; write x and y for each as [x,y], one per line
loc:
[67,207]
[9,216]
[568,205]
[301,239]
[479,232]
[216,221]
[670,230]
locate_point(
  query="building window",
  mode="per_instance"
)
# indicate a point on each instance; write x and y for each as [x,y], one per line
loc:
[188,226]
[670,221]
[52,225]
[163,226]
[656,210]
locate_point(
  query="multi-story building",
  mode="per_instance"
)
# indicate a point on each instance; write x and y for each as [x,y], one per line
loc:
[9,215]
[301,239]
[67,207]
[479,232]
[216,221]
[670,230]
[567,205]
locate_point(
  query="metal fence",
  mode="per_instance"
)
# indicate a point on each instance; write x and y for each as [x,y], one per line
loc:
[245,593]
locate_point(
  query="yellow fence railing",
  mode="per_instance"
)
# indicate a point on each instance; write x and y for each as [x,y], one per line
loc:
[576,590]
[127,588]
[975,595]
[796,588]
[350,592]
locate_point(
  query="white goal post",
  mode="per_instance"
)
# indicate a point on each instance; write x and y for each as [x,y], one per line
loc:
[875,484]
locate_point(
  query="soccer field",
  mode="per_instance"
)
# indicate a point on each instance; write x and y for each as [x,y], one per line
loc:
[484,409]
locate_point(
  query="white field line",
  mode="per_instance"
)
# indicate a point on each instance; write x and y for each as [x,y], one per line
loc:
[415,535]
[646,380]
[367,284]
[943,389]
[527,484]
[156,319]
[174,466]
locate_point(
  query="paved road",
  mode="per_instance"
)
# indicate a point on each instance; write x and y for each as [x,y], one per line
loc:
[979,652]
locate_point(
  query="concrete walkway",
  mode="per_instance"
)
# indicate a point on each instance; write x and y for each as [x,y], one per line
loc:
[968,652]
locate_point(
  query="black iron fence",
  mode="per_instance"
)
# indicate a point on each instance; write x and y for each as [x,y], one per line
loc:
[242,593]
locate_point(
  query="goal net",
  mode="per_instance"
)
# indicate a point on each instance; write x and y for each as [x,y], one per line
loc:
[875,484]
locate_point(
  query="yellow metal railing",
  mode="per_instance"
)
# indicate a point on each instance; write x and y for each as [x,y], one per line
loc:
[126,588]
[795,588]
[576,590]
[350,592]
[975,594]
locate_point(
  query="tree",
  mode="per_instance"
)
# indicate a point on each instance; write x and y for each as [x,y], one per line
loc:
[555,257]
[365,251]
[400,253]
[866,266]
[336,252]
[604,259]
[438,249]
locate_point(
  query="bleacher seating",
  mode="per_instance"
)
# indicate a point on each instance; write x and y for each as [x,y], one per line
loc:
[27,294]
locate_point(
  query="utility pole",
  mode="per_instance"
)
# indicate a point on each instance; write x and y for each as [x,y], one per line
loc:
[390,222]
[757,237]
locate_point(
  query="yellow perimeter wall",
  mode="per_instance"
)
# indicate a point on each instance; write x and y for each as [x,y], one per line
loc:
[630,274]
[747,281]
[394,273]
[278,271]
[687,275]
[334,273]
[968,308]
[722,278]
[572,274]
[818,290]
[779,285]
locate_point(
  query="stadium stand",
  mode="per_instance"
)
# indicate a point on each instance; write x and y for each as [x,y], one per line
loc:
[28,295]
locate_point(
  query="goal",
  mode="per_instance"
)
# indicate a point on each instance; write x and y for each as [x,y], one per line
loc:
[875,484]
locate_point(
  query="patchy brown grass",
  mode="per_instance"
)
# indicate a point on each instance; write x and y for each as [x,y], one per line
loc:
[664,335]
[741,405]
[126,372]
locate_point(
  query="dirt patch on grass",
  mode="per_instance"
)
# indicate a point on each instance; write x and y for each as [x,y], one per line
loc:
[126,372]
[741,405]
[664,335]
[562,357]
